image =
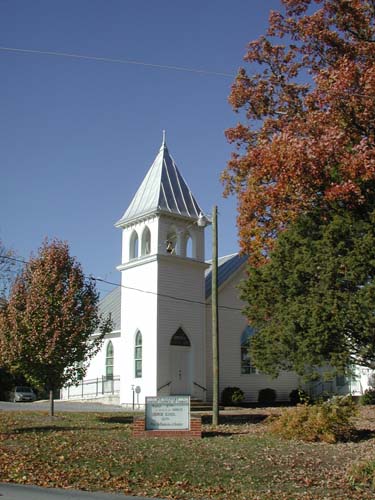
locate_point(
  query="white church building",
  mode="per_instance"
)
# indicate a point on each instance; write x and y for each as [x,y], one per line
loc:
[161,339]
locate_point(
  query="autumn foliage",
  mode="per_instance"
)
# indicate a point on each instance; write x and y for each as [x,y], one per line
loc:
[46,327]
[307,138]
[7,269]
[327,421]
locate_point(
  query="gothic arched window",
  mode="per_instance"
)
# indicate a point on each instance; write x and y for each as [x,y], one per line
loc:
[246,366]
[138,355]
[109,358]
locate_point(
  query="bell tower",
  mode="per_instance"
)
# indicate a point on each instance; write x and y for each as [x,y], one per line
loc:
[162,295]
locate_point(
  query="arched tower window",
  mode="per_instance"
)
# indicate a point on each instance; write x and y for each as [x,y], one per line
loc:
[189,247]
[246,366]
[134,244]
[138,355]
[188,242]
[109,357]
[180,338]
[146,241]
[171,242]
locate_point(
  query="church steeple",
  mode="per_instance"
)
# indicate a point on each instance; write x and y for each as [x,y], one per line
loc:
[162,270]
[163,190]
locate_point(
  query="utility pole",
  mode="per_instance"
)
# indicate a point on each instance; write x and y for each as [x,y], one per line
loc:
[215,323]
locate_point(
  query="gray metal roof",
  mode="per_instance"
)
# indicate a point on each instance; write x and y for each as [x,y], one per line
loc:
[111,304]
[163,189]
[227,266]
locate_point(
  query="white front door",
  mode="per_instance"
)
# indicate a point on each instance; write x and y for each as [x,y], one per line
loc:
[180,370]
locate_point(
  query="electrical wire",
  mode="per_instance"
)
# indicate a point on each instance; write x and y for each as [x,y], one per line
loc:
[164,295]
[173,297]
[12,258]
[116,61]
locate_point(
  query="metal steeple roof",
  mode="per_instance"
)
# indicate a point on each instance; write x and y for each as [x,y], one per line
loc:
[163,189]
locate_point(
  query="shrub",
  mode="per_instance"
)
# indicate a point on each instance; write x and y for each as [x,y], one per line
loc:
[232,396]
[328,421]
[363,473]
[267,396]
[368,398]
[298,396]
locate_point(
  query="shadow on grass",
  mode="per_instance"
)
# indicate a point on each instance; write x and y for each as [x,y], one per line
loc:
[218,433]
[236,419]
[61,428]
[117,419]
[46,428]
[231,420]
[363,435]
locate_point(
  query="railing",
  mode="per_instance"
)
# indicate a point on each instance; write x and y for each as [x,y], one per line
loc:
[94,387]
[200,386]
[200,392]
[165,385]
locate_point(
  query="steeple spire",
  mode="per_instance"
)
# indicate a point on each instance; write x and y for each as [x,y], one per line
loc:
[163,144]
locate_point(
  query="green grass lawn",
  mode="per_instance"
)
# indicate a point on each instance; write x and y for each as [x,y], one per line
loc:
[233,461]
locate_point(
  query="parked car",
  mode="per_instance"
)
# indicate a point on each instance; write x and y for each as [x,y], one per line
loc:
[22,393]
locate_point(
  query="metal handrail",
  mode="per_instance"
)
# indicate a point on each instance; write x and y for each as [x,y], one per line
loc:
[165,385]
[200,386]
[87,381]
[94,387]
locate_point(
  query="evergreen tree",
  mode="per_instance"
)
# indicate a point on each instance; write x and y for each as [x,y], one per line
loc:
[313,302]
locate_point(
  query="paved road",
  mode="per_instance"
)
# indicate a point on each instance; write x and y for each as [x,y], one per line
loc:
[24,492]
[60,406]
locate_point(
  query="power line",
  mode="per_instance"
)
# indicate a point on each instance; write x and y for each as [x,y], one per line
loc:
[12,258]
[173,297]
[163,294]
[116,61]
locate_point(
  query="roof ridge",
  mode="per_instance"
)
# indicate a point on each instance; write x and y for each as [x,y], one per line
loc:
[223,256]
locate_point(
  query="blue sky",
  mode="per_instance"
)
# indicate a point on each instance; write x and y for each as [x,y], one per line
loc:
[77,136]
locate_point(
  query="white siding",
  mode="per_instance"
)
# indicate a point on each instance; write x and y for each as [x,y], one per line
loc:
[97,363]
[96,368]
[138,312]
[231,325]
[146,281]
[181,278]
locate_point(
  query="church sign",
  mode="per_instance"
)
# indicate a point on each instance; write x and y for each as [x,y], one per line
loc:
[168,413]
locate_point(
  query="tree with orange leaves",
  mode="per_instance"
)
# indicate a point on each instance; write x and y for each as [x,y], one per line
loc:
[308,135]
[47,324]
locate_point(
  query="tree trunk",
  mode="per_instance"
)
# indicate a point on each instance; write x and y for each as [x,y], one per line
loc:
[51,404]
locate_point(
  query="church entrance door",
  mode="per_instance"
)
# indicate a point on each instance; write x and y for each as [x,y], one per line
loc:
[180,370]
